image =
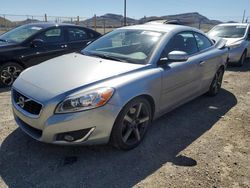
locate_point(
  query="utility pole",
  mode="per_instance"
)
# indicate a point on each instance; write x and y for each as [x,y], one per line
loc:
[95,22]
[125,13]
[243,16]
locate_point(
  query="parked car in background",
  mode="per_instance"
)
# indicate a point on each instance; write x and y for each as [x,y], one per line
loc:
[237,36]
[31,44]
[118,84]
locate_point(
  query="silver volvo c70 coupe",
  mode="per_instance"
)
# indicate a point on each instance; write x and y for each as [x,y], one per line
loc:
[114,88]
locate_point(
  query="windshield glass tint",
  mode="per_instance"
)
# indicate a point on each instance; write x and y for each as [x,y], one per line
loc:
[19,34]
[133,46]
[228,31]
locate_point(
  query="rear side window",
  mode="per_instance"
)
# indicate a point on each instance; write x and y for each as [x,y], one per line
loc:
[202,41]
[184,41]
[77,34]
[52,36]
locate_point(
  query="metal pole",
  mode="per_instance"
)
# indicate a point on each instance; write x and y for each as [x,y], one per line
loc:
[78,20]
[104,26]
[95,21]
[125,12]
[243,16]
[45,18]
[5,22]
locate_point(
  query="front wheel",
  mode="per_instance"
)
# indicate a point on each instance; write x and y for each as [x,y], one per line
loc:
[8,73]
[242,59]
[216,83]
[131,124]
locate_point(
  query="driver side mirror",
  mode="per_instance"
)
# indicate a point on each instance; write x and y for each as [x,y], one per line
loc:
[174,56]
[178,56]
[37,43]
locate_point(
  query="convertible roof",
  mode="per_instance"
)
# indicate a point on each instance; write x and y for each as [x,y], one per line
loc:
[162,27]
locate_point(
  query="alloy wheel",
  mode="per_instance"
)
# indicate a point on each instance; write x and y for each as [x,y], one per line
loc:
[9,74]
[135,123]
[218,81]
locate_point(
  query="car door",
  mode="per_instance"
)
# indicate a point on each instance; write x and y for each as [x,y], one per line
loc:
[77,38]
[208,59]
[52,44]
[180,80]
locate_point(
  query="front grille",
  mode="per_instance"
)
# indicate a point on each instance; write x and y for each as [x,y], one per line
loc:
[28,104]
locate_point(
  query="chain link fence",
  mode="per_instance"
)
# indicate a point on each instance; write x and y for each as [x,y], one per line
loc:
[9,21]
[102,24]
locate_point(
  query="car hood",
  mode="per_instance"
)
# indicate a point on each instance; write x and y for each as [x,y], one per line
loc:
[230,41]
[68,72]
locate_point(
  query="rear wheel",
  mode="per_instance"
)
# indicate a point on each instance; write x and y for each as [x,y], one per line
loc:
[8,73]
[131,124]
[242,59]
[216,83]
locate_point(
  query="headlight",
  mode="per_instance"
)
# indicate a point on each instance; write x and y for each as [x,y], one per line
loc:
[235,45]
[86,100]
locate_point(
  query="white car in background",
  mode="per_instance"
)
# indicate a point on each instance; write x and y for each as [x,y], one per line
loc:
[237,36]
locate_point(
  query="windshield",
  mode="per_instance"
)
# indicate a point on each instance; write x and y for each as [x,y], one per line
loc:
[19,34]
[236,31]
[126,45]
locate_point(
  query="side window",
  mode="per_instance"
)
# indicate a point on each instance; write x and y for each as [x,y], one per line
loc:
[76,34]
[184,41]
[52,36]
[248,33]
[202,41]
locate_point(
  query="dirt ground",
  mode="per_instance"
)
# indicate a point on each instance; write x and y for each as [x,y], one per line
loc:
[204,143]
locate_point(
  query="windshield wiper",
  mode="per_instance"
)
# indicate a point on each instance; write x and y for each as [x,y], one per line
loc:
[106,56]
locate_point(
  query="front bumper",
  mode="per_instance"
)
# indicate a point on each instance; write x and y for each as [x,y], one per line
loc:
[235,55]
[94,125]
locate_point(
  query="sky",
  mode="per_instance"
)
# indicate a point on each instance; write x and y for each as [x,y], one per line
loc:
[224,10]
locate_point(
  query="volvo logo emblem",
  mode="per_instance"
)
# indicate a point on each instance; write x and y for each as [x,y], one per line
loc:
[21,101]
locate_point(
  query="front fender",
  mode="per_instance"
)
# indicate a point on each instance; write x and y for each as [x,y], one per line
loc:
[128,87]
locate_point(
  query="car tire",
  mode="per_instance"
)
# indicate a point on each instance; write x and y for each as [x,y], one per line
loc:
[216,83]
[131,124]
[8,73]
[242,59]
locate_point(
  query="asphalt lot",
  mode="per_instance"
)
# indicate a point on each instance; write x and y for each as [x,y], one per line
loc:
[204,143]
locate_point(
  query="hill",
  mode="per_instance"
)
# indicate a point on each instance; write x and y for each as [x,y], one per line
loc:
[113,20]
[5,22]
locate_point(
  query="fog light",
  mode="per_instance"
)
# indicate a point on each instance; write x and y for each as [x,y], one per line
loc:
[69,138]
[72,136]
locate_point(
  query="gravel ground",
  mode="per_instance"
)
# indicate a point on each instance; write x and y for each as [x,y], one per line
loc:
[204,143]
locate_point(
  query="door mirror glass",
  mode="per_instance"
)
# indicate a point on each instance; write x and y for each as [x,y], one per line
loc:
[178,56]
[37,43]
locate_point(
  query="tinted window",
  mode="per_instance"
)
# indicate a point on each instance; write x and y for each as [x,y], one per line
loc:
[202,41]
[248,33]
[184,41]
[76,34]
[52,36]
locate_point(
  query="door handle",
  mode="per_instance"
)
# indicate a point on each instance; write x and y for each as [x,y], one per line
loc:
[201,63]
